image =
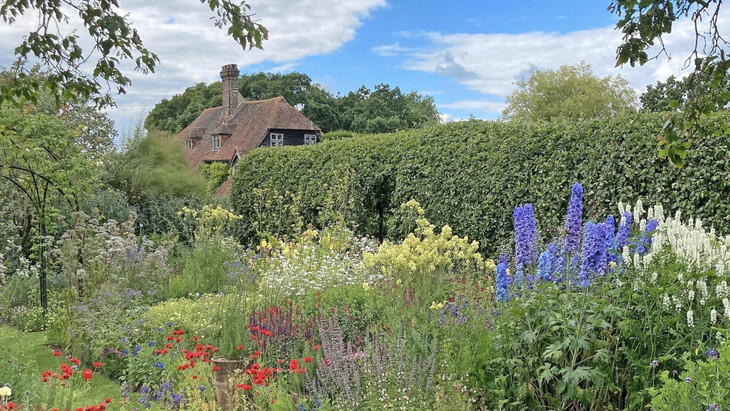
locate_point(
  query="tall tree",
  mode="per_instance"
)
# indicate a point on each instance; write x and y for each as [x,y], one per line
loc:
[113,39]
[644,25]
[94,128]
[39,157]
[678,94]
[152,165]
[383,109]
[572,92]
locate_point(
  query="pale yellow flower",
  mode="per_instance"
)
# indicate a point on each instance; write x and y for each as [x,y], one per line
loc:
[436,306]
[5,391]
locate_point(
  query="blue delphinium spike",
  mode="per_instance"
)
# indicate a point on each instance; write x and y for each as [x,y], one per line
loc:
[623,232]
[503,282]
[574,220]
[645,239]
[588,253]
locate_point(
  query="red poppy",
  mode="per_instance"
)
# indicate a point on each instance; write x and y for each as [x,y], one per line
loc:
[87,374]
[56,353]
[195,377]
[316,347]
[216,368]
[96,364]
[307,359]
[195,338]
[75,360]
[107,400]
[293,365]
[240,347]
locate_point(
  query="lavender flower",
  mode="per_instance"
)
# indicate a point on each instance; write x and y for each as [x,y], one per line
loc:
[574,221]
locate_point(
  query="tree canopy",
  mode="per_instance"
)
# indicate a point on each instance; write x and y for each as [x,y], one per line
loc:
[152,165]
[675,94]
[644,25]
[381,110]
[572,92]
[113,40]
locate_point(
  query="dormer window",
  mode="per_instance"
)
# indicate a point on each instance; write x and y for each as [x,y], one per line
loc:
[216,142]
[189,144]
[277,139]
[310,139]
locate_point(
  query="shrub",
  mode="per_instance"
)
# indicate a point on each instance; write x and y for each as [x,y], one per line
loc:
[470,175]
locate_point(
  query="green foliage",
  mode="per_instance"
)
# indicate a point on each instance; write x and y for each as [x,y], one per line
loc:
[154,166]
[557,351]
[383,109]
[204,270]
[113,40]
[337,135]
[471,175]
[703,384]
[677,94]
[644,23]
[216,174]
[571,92]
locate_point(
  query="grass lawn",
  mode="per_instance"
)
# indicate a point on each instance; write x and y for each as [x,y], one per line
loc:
[23,359]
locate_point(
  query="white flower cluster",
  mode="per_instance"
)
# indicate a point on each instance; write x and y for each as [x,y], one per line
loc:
[312,269]
[697,248]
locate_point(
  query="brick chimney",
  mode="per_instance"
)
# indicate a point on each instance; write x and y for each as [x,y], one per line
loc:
[229,77]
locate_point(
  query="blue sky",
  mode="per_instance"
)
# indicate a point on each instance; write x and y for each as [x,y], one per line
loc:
[466,54]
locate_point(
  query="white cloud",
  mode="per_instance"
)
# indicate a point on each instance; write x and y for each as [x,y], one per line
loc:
[491,63]
[192,50]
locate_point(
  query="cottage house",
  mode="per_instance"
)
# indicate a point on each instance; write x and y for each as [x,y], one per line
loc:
[224,134]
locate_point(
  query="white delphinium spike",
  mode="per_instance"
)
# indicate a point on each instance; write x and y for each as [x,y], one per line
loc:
[646,260]
[650,213]
[654,277]
[677,303]
[713,316]
[726,306]
[721,289]
[659,213]
[698,224]
[637,261]
[619,283]
[691,296]
[720,268]
[638,210]
[702,288]
[666,302]
[620,208]
[642,224]
[690,319]
[678,215]
[626,256]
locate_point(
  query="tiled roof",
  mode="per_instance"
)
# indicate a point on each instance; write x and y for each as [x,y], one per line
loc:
[225,189]
[247,127]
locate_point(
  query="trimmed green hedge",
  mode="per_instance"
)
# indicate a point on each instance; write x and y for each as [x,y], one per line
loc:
[472,174]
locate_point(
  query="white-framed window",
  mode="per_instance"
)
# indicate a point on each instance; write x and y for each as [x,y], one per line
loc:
[216,142]
[189,143]
[310,139]
[277,139]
